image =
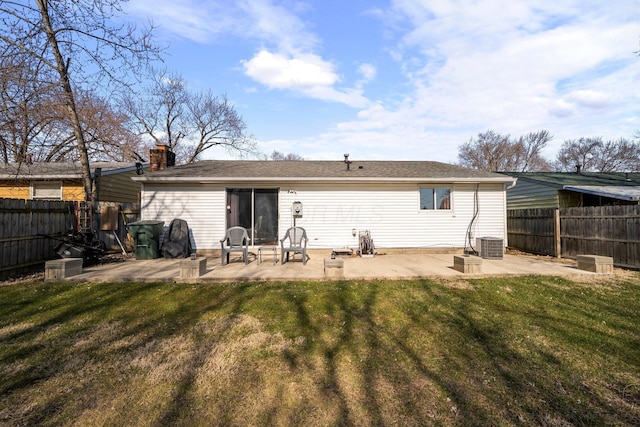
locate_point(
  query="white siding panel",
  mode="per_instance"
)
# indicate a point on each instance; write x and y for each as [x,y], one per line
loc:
[491,208]
[331,213]
[392,215]
[202,207]
[390,212]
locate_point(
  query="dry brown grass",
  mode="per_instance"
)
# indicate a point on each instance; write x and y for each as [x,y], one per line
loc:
[530,350]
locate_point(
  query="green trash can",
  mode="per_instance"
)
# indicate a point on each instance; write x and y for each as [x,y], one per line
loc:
[146,236]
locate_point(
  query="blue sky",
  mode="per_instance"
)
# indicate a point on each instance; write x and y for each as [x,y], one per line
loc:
[408,79]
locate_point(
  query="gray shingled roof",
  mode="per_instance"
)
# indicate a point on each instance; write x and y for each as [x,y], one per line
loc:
[61,170]
[238,170]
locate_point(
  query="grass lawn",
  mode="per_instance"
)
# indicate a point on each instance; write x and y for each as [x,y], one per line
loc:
[497,351]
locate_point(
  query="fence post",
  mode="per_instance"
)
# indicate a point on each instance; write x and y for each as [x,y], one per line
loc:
[556,233]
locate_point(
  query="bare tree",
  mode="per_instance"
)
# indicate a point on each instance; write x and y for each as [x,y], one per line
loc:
[189,123]
[35,126]
[488,152]
[622,155]
[595,155]
[80,41]
[159,113]
[576,152]
[528,151]
[278,156]
[216,123]
[106,134]
[27,109]
[494,152]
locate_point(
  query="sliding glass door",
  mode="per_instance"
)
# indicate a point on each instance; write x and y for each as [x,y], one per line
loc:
[255,209]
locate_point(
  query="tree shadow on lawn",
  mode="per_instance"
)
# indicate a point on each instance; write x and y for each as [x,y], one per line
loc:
[338,353]
[60,322]
[542,354]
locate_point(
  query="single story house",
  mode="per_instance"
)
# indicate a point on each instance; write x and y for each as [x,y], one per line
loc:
[403,204]
[63,181]
[573,189]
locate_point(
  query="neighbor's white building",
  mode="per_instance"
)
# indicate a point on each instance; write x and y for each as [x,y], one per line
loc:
[404,204]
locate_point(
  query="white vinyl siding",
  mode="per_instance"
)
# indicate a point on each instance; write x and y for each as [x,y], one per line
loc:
[391,212]
[491,218]
[203,207]
[392,215]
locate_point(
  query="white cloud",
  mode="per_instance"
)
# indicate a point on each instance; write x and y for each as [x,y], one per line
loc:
[188,19]
[287,59]
[466,66]
[502,65]
[205,22]
[515,67]
[367,72]
[307,74]
[278,71]
[561,108]
[590,98]
[277,25]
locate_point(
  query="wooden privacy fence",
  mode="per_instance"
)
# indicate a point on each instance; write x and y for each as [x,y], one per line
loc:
[599,230]
[23,247]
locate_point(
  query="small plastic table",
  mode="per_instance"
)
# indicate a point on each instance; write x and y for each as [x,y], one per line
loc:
[273,249]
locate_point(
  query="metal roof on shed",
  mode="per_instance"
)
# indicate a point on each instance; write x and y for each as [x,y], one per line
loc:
[563,179]
[631,193]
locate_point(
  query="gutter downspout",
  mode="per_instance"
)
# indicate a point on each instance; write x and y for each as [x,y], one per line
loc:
[506,229]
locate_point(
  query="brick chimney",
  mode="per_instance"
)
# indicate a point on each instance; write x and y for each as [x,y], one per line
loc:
[161,158]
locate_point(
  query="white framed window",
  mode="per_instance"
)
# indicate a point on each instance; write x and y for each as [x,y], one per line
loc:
[46,190]
[435,198]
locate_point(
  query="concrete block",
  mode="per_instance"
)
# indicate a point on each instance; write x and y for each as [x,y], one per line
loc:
[333,267]
[467,264]
[192,268]
[58,269]
[595,263]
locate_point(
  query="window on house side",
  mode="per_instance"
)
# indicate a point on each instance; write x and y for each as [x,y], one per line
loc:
[48,190]
[435,198]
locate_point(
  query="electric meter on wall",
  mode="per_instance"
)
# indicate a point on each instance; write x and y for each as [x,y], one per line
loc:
[296,209]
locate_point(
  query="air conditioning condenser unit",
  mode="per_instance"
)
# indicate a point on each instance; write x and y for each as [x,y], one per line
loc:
[490,247]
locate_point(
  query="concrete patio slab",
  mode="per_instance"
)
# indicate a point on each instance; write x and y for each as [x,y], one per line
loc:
[391,266]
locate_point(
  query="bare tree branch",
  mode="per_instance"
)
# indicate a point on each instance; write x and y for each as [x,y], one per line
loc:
[494,152]
[69,36]
[278,156]
[595,155]
[216,123]
[189,123]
